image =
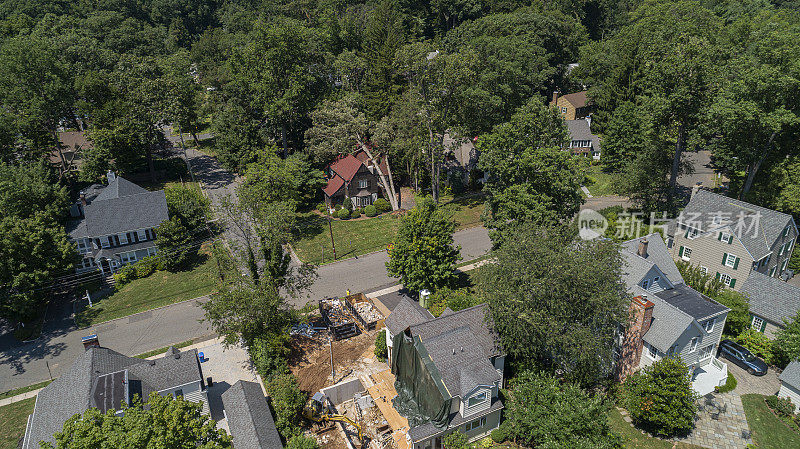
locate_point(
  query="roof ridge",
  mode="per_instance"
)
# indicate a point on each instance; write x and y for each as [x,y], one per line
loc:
[734,201]
[148,192]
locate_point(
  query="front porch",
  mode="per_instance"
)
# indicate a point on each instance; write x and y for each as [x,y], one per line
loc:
[706,377]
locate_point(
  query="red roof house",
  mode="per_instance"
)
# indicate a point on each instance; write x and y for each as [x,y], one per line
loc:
[352,176]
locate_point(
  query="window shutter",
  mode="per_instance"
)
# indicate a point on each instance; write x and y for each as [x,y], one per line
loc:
[724,258]
[736,263]
[680,252]
[687,233]
[763,325]
[719,236]
[730,239]
[717,275]
[733,283]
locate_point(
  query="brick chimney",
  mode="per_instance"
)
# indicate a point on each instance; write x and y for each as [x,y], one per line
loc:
[555,97]
[640,315]
[90,341]
[642,251]
[82,196]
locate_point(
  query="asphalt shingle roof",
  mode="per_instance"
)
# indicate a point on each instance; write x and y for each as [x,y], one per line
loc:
[757,241]
[771,298]
[691,302]
[407,313]
[579,129]
[657,254]
[249,417]
[668,324]
[71,392]
[577,99]
[791,375]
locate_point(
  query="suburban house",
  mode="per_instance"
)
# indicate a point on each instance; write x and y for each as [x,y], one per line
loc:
[116,224]
[352,176]
[105,379]
[771,302]
[249,417]
[451,366]
[581,140]
[746,247]
[668,318]
[790,384]
[572,106]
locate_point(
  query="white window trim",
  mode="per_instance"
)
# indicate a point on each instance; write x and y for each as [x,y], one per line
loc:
[785,264]
[757,326]
[650,350]
[123,238]
[685,256]
[141,234]
[646,284]
[722,277]
[772,271]
[706,325]
[730,260]
[693,344]
[483,395]
[710,354]
[563,110]
[105,241]
[703,269]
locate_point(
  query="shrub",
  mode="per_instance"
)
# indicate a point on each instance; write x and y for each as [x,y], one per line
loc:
[381,352]
[147,266]
[758,343]
[125,275]
[370,211]
[174,244]
[322,208]
[355,213]
[287,404]
[456,440]
[499,435]
[660,398]
[781,406]
[343,214]
[269,354]
[730,385]
[302,442]
[347,204]
[361,211]
[381,205]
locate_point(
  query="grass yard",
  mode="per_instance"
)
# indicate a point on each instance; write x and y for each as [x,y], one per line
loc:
[159,289]
[633,438]
[600,183]
[14,418]
[351,237]
[769,432]
[365,235]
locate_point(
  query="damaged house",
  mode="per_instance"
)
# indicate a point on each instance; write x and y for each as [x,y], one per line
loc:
[449,371]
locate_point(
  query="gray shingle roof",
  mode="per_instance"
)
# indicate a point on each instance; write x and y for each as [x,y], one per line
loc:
[249,417]
[579,129]
[474,318]
[691,302]
[791,375]
[406,313]
[463,365]
[71,392]
[771,298]
[770,223]
[119,207]
[668,324]
[657,254]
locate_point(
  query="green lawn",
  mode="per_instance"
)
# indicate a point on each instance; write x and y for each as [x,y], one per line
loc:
[634,439]
[351,237]
[768,431]
[364,235]
[14,418]
[600,183]
[159,289]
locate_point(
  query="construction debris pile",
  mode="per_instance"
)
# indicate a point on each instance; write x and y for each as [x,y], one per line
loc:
[368,312]
[338,318]
[306,330]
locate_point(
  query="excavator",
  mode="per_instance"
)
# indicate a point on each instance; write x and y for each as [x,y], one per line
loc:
[316,410]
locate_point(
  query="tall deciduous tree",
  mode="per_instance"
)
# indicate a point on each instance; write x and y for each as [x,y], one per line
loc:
[530,178]
[338,127]
[280,70]
[556,301]
[544,412]
[423,255]
[164,422]
[787,339]
[246,313]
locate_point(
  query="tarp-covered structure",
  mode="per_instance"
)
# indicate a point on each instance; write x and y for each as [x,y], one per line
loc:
[421,393]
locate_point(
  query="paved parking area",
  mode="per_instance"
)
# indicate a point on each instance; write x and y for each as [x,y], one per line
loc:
[225,366]
[747,383]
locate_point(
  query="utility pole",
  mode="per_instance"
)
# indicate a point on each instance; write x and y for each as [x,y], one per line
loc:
[330,228]
[186,158]
[330,348]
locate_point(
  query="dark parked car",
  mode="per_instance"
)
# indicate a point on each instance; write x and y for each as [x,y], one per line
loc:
[739,355]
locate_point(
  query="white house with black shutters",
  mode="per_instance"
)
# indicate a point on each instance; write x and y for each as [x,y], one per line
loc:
[116,224]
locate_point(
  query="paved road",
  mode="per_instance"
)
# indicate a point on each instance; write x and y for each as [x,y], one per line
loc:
[27,364]
[703,170]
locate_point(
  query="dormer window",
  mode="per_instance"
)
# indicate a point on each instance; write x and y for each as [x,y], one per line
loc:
[476,399]
[709,325]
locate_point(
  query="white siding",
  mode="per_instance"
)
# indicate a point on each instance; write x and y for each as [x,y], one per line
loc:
[488,393]
[787,391]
